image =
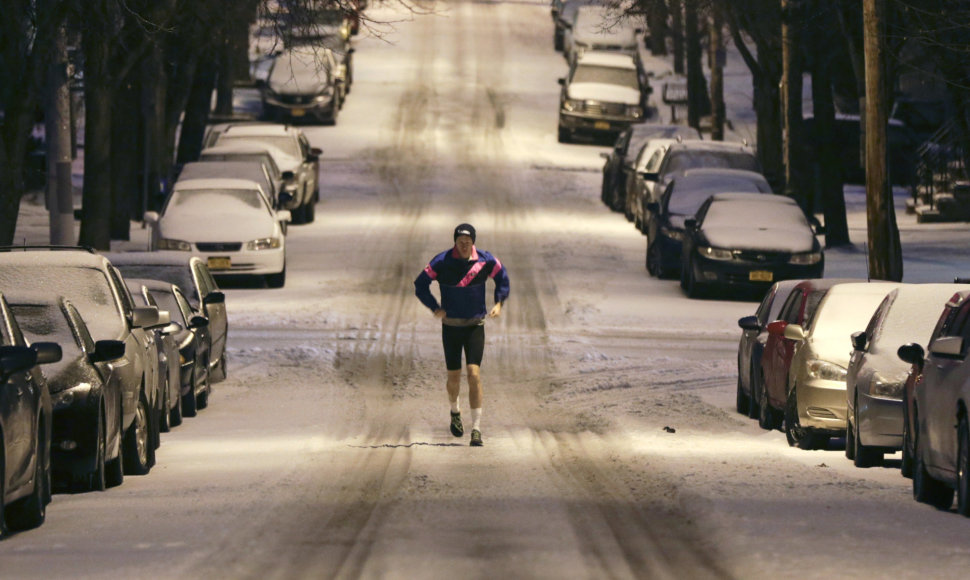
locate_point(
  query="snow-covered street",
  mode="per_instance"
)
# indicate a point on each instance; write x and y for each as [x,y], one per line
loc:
[611,444]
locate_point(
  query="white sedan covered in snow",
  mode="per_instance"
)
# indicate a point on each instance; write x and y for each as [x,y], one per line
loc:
[227,222]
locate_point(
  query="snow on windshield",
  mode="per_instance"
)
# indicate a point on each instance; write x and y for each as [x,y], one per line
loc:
[845,313]
[212,200]
[606,75]
[285,143]
[178,275]
[686,196]
[681,161]
[752,214]
[911,318]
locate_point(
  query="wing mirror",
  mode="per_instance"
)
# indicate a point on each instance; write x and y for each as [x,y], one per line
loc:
[199,322]
[795,332]
[284,216]
[164,319]
[649,175]
[288,176]
[859,341]
[653,207]
[214,297]
[105,350]
[151,217]
[144,316]
[14,359]
[690,224]
[750,323]
[913,354]
[47,352]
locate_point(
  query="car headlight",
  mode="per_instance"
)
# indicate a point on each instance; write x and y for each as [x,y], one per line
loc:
[672,233]
[826,371]
[67,397]
[884,388]
[715,253]
[572,104]
[263,244]
[634,111]
[170,244]
[805,258]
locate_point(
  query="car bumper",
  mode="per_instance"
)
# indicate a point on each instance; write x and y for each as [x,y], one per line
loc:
[595,124]
[822,405]
[880,422]
[746,274]
[314,108]
[255,262]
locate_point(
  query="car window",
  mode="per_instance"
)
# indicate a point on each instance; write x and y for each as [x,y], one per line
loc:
[122,290]
[681,161]
[80,329]
[765,307]
[183,305]
[607,75]
[789,312]
[166,301]
[878,320]
[811,307]
[653,164]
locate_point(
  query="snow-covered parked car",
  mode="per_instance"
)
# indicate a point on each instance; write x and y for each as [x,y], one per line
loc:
[229,223]
[603,94]
[815,408]
[192,275]
[747,241]
[289,197]
[600,28]
[303,82]
[290,149]
[876,375]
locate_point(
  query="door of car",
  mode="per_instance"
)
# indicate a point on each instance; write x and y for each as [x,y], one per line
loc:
[214,310]
[778,353]
[19,403]
[943,376]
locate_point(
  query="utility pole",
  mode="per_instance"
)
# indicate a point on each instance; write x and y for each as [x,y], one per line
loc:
[885,254]
[791,98]
[57,114]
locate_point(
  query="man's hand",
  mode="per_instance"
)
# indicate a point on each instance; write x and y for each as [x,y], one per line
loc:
[440,313]
[496,310]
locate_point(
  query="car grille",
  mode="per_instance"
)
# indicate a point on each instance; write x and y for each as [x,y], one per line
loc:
[599,108]
[219,246]
[294,99]
[609,47]
[761,257]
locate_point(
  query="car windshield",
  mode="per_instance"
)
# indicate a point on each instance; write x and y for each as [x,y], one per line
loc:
[285,143]
[844,314]
[178,275]
[681,161]
[687,199]
[607,75]
[297,67]
[768,214]
[213,200]
[87,288]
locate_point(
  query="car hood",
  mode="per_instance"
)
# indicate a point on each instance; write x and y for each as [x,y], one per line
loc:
[769,239]
[604,92]
[240,227]
[298,82]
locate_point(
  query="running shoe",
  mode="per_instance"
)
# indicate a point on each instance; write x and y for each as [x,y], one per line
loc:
[456,429]
[476,438]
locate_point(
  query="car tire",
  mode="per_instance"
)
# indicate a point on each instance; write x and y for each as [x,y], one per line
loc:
[202,400]
[753,395]
[175,413]
[277,280]
[164,417]
[653,267]
[693,288]
[97,478]
[30,511]
[566,137]
[863,455]
[906,465]
[742,401]
[190,407]
[309,211]
[926,488]
[137,447]
[767,416]
[850,446]
[114,472]
[963,467]
[797,435]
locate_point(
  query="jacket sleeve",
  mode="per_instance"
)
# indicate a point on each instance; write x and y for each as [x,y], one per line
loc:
[422,288]
[501,277]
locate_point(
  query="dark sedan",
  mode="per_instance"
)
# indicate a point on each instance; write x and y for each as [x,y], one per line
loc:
[25,423]
[193,340]
[85,394]
[681,198]
[168,409]
[752,344]
[191,275]
[746,241]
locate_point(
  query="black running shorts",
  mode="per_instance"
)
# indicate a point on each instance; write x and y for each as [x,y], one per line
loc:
[470,339]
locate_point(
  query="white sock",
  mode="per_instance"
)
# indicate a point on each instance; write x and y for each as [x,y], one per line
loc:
[454,406]
[476,418]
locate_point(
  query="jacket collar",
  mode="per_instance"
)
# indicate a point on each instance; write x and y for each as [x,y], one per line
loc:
[472,258]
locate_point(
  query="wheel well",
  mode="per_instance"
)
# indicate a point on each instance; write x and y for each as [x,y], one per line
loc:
[961,411]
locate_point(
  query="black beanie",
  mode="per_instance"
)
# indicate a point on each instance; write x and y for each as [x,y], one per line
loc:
[465,230]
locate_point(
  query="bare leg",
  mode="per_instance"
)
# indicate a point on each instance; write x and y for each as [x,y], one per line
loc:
[474,386]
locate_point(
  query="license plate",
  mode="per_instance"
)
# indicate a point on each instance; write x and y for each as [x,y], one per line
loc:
[220,263]
[760,276]
[297,112]
[604,125]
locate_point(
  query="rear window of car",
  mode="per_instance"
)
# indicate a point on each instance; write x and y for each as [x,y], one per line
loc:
[606,75]
[681,161]
[285,143]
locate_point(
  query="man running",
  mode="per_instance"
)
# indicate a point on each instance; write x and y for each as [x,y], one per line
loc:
[461,273]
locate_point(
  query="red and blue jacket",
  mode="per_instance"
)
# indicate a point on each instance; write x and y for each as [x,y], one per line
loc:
[462,283]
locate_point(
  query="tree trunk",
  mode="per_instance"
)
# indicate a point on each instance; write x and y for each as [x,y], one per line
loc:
[767,106]
[718,57]
[677,34]
[885,254]
[99,102]
[197,112]
[791,100]
[657,22]
[127,158]
[698,104]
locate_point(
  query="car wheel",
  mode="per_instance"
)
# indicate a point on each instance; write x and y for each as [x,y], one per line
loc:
[164,418]
[906,466]
[30,511]
[137,445]
[850,446]
[742,400]
[963,468]
[277,280]
[97,478]
[113,469]
[653,257]
[565,136]
[693,288]
[797,435]
[202,400]
[767,416]
[863,455]
[926,488]
[190,405]
[753,395]
[309,211]
[175,414]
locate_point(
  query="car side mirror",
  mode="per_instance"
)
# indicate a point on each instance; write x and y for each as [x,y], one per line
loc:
[605,155]
[144,316]
[14,359]
[151,217]
[164,319]
[859,341]
[817,226]
[690,224]
[284,198]
[653,207]
[171,328]
[284,215]
[214,297]
[649,175]
[316,151]
[47,352]
[795,332]
[311,158]
[562,82]
[750,323]
[776,328]
[288,175]
[105,350]
[913,354]
[198,322]
[947,346]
